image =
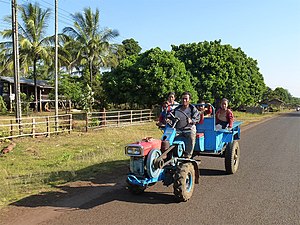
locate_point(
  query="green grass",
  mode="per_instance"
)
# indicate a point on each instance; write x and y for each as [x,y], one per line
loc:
[39,164]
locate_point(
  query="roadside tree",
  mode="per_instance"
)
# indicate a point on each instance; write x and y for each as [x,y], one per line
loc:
[146,79]
[91,45]
[222,71]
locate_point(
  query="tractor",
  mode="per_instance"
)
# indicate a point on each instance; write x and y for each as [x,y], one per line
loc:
[154,160]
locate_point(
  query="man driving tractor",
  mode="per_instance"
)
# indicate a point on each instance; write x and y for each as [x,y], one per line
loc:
[186,126]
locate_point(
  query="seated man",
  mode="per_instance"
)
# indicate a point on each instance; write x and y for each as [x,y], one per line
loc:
[185,127]
[224,115]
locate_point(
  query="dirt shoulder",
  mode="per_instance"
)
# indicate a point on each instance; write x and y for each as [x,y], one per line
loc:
[70,196]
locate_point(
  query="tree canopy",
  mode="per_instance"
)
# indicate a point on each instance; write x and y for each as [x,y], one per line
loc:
[91,44]
[222,71]
[145,79]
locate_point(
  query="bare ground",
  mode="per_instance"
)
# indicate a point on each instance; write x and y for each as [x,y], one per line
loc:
[70,196]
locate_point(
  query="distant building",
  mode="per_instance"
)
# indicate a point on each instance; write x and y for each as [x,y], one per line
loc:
[26,86]
[273,104]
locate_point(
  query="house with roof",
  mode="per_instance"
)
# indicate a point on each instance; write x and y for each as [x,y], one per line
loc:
[273,104]
[26,86]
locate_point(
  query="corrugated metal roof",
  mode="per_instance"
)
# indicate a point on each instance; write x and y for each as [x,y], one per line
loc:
[40,83]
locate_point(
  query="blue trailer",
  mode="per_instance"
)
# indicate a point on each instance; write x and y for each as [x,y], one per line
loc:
[211,141]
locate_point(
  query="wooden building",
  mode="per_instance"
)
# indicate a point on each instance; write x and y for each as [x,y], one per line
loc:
[26,86]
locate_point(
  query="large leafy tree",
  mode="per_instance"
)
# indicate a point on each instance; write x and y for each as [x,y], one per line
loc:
[222,71]
[90,44]
[146,79]
[71,88]
[130,47]
[34,44]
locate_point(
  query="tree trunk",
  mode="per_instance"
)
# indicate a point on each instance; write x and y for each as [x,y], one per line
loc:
[35,86]
[91,74]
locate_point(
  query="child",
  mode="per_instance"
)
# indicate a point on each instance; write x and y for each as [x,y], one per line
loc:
[204,111]
[163,115]
[171,100]
[224,116]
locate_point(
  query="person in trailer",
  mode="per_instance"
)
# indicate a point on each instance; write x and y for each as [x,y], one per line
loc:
[224,116]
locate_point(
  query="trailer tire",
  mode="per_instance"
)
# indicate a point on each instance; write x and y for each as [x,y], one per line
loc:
[232,157]
[184,182]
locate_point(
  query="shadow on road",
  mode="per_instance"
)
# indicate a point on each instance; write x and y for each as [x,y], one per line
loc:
[212,172]
[105,187]
[291,114]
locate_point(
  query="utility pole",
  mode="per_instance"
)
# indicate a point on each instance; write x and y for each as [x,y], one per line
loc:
[15,38]
[56,65]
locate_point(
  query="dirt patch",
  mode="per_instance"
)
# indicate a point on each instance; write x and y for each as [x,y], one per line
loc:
[70,196]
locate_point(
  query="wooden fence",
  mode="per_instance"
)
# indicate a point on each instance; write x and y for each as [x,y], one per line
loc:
[117,118]
[35,126]
[47,125]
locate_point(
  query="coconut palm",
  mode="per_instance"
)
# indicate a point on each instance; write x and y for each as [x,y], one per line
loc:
[34,45]
[90,43]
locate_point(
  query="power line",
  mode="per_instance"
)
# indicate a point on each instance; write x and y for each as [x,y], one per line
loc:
[62,17]
[58,7]
[5,2]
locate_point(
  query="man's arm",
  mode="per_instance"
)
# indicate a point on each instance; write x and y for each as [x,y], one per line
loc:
[196,115]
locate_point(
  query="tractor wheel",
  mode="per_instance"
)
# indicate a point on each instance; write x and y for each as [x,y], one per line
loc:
[152,171]
[135,189]
[184,182]
[232,157]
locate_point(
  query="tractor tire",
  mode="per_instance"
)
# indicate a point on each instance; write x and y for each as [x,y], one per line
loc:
[135,189]
[184,182]
[232,157]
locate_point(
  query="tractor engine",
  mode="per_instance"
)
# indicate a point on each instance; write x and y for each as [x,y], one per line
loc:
[138,153]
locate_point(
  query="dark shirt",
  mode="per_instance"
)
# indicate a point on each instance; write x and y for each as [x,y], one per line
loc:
[190,112]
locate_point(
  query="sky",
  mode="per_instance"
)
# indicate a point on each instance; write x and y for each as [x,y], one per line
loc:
[266,30]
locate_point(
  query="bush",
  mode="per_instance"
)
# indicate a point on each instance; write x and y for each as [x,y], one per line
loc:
[3,108]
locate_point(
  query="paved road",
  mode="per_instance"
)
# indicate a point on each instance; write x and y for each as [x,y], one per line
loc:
[265,190]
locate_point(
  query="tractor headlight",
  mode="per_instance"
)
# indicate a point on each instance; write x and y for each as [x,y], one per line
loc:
[134,150]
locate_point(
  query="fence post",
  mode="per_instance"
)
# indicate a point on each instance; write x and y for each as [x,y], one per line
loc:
[118,121]
[56,123]
[150,114]
[130,116]
[86,122]
[70,123]
[141,115]
[48,126]
[11,128]
[19,121]
[104,117]
[33,127]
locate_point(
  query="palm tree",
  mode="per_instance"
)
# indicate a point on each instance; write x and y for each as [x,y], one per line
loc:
[34,46]
[91,44]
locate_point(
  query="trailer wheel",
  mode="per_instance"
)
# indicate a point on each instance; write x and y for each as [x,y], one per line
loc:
[232,157]
[135,189]
[184,182]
